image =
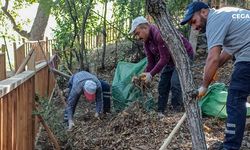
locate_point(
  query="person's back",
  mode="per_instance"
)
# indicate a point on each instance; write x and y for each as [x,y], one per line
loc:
[231,28]
[83,76]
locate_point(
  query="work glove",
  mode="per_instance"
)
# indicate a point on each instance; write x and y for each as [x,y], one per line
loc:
[71,125]
[146,77]
[202,91]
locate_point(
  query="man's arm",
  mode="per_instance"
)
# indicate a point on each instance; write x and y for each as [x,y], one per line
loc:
[164,55]
[150,58]
[212,64]
[72,102]
[224,57]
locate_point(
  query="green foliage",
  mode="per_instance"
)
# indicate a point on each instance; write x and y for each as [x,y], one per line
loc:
[125,10]
[13,8]
[53,117]
[176,9]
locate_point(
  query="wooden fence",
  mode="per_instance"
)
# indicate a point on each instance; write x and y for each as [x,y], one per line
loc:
[94,39]
[18,125]
[22,51]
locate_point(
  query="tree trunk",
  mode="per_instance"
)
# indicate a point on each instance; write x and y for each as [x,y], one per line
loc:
[83,50]
[157,10]
[104,34]
[40,23]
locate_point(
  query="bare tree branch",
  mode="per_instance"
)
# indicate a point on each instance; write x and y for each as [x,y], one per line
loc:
[15,27]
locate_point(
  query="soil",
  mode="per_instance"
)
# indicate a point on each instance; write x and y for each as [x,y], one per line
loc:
[135,128]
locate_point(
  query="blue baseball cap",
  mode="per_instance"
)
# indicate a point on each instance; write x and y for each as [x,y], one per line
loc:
[191,9]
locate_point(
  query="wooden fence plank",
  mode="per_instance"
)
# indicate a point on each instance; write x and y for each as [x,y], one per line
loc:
[18,123]
[14,119]
[4,125]
[24,111]
[31,102]
[1,122]
[19,55]
[9,121]
[2,66]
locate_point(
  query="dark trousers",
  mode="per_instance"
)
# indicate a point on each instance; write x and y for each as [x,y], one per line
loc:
[169,80]
[238,92]
[106,96]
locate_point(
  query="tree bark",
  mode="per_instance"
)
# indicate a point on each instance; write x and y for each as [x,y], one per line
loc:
[40,23]
[84,22]
[157,9]
[104,34]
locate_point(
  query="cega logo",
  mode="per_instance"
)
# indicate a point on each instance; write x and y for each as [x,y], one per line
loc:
[241,16]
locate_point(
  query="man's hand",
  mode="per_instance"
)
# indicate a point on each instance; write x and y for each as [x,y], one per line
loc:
[146,77]
[202,91]
[71,125]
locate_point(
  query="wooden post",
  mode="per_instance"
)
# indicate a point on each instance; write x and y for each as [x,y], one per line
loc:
[31,64]
[15,56]
[47,48]
[2,66]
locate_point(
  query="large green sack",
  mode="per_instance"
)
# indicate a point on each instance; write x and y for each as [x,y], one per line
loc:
[123,91]
[214,102]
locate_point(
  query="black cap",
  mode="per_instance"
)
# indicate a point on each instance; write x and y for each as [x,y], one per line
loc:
[191,9]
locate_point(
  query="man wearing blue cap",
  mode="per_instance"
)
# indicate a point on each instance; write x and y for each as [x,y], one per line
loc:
[229,29]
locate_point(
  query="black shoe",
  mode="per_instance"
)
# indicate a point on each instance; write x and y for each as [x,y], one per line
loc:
[179,108]
[105,111]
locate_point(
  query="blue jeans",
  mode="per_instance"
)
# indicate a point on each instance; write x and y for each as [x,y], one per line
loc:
[238,92]
[169,80]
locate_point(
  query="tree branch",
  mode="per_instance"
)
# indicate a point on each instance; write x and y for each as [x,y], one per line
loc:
[15,27]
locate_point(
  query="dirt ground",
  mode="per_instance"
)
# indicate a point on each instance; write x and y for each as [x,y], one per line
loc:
[135,128]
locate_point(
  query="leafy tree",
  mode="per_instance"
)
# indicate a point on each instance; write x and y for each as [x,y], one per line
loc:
[40,22]
[74,19]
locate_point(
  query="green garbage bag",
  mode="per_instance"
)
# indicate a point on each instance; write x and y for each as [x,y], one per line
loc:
[214,102]
[123,91]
